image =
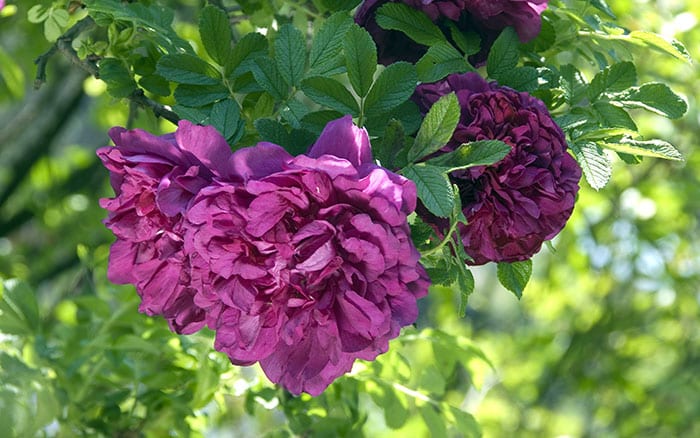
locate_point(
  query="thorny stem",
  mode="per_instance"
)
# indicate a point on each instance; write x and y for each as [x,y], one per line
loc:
[64,45]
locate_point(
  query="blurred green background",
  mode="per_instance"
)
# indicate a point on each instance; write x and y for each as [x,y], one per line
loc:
[605,341]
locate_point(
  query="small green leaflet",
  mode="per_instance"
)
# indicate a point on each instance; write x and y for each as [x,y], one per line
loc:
[503,56]
[187,69]
[392,142]
[655,97]
[477,153]
[467,41]
[595,164]
[215,31]
[272,131]
[268,76]
[415,24]
[615,78]
[155,84]
[290,54]
[330,93]
[157,20]
[433,187]
[667,45]
[226,118]
[439,61]
[603,6]
[613,116]
[514,276]
[437,127]
[646,148]
[19,312]
[326,58]
[242,57]
[200,95]
[360,59]
[394,86]
[572,84]
[117,77]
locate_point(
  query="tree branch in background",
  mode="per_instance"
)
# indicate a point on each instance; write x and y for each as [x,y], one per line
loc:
[64,45]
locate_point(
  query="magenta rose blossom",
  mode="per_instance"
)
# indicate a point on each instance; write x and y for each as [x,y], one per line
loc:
[308,263]
[487,18]
[154,180]
[513,206]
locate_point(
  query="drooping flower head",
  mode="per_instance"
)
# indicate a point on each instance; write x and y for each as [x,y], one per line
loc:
[307,264]
[154,179]
[487,18]
[516,204]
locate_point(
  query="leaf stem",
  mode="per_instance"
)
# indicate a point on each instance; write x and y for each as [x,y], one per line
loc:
[445,241]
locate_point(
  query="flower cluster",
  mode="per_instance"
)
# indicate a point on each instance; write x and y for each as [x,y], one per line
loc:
[487,18]
[513,206]
[302,264]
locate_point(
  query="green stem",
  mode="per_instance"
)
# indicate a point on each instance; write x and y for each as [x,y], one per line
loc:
[444,241]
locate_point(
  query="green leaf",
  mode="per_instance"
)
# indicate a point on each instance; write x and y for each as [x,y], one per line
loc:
[407,113]
[155,84]
[19,312]
[117,77]
[667,45]
[645,148]
[272,131]
[655,97]
[465,423]
[195,115]
[514,276]
[215,30]
[433,421]
[614,116]
[393,87]
[503,56]
[330,93]
[326,56]
[200,95]
[183,68]
[465,280]
[415,24]
[572,84]
[433,187]
[521,78]
[617,77]
[290,54]
[269,78]
[251,46]
[392,142]
[603,6]
[154,19]
[317,120]
[360,59]
[38,13]
[468,42]
[55,23]
[439,61]
[437,127]
[477,153]
[595,164]
[226,118]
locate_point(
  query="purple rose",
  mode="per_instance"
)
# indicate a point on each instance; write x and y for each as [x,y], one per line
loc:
[308,264]
[154,180]
[487,18]
[526,198]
